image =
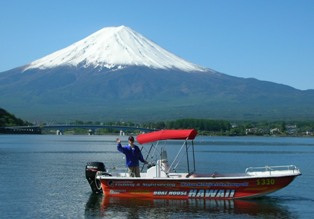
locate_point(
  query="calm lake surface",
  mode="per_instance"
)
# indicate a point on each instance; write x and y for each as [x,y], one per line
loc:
[43,176]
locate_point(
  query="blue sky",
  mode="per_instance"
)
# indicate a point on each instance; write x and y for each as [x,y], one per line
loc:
[271,40]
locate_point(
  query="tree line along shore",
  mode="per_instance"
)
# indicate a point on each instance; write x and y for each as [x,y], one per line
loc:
[204,126]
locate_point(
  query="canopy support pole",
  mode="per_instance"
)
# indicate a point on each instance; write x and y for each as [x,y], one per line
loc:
[193,156]
[187,155]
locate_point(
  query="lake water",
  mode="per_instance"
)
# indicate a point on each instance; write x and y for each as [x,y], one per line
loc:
[43,176]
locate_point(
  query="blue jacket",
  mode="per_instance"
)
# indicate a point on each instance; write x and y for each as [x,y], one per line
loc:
[132,155]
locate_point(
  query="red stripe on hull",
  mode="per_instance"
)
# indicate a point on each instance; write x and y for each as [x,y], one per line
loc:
[193,188]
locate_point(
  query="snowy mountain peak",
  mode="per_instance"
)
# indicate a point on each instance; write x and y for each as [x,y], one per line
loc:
[114,47]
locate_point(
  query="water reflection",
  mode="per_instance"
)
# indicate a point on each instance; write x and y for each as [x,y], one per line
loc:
[93,207]
[110,207]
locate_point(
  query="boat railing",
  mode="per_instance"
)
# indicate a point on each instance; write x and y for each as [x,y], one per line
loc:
[271,169]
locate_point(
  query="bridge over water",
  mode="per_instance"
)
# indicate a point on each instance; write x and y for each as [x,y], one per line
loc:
[61,128]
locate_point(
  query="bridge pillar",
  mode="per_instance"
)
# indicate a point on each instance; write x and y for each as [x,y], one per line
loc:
[91,132]
[59,132]
[122,133]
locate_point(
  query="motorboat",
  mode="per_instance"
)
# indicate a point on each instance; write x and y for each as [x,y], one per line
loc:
[162,180]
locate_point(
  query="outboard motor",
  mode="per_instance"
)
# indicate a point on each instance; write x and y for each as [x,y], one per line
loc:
[90,171]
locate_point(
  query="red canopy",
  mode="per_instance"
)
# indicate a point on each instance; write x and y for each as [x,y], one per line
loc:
[181,134]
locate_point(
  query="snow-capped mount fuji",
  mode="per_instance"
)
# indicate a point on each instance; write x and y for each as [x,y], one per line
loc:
[114,47]
[116,74]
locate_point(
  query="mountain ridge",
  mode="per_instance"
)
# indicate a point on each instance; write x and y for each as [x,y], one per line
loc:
[140,93]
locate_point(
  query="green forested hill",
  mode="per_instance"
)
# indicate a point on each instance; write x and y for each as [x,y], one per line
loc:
[8,119]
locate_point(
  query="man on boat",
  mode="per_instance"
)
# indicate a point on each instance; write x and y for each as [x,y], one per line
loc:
[133,155]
